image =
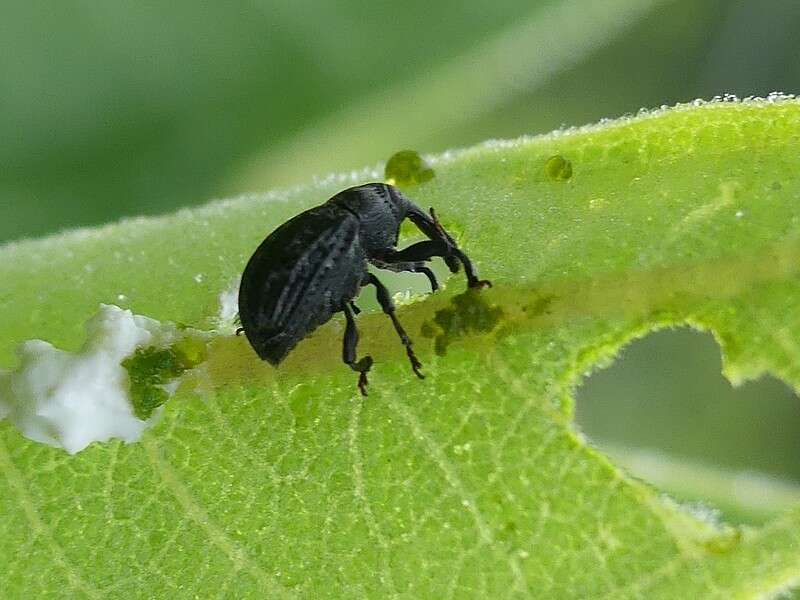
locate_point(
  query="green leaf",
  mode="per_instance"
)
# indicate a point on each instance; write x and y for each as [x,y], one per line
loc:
[286,483]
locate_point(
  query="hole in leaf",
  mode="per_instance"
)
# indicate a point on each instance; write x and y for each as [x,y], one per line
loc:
[665,413]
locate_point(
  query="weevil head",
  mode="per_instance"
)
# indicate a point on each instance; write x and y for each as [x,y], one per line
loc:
[380,208]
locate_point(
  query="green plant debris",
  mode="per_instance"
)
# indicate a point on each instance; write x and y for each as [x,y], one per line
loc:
[151,368]
[469,313]
[407,168]
[558,168]
[470,483]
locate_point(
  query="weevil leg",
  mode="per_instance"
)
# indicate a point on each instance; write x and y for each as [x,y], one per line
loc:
[355,308]
[411,266]
[419,252]
[446,245]
[349,351]
[385,300]
[472,274]
[431,277]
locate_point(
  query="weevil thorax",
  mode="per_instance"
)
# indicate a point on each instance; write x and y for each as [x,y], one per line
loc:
[380,208]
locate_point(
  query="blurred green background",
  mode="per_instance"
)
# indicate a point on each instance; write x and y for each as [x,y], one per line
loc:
[113,109]
[118,108]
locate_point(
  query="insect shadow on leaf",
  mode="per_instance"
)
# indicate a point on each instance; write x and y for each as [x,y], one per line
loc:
[315,265]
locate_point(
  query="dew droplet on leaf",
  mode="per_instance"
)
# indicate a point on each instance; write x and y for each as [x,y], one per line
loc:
[407,168]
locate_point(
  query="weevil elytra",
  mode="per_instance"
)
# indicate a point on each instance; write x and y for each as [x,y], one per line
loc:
[315,264]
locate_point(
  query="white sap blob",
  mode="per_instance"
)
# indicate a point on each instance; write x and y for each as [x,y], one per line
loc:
[69,400]
[228,305]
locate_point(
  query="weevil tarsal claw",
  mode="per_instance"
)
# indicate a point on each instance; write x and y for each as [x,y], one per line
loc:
[362,383]
[480,284]
[415,364]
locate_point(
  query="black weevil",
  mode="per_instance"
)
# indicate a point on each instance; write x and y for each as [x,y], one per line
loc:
[315,264]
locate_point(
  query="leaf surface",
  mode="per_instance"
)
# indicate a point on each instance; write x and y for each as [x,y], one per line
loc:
[472,482]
